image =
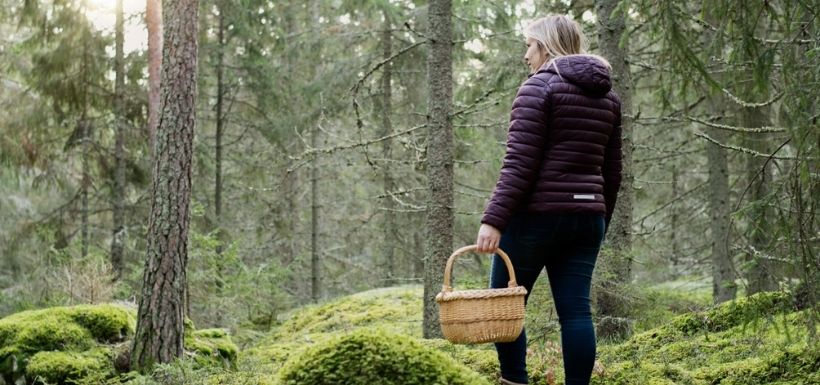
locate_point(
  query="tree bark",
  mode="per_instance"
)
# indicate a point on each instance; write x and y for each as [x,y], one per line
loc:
[85,132]
[389,235]
[440,215]
[153,20]
[118,233]
[315,262]
[315,268]
[220,124]
[159,334]
[674,219]
[723,276]
[619,235]
[218,149]
[760,271]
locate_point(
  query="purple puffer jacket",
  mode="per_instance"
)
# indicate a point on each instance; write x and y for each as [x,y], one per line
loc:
[563,144]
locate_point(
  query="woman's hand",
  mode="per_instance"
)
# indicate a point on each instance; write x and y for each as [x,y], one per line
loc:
[488,238]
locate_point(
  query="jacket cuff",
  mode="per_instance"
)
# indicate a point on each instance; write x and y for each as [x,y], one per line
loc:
[494,221]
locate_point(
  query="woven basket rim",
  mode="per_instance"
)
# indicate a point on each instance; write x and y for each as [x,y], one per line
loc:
[468,294]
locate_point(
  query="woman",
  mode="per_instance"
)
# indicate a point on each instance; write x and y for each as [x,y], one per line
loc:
[557,189]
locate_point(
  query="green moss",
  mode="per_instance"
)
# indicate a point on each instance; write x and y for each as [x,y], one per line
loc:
[752,341]
[739,313]
[733,313]
[395,308]
[369,356]
[658,304]
[68,367]
[481,358]
[72,329]
[643,373]
[794,363]
[106,322]
[242,377]
[212,346]
[273,356]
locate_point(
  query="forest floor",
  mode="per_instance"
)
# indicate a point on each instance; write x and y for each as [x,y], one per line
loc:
[375,337]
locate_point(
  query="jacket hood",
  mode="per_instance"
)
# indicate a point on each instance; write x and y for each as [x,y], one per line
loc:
[585,71]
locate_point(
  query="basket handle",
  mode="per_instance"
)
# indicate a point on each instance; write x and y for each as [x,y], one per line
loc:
[449,268]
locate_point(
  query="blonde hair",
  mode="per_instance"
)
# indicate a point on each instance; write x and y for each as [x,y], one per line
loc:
[559,36]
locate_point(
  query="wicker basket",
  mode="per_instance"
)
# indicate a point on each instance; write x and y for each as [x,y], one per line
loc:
[481,315]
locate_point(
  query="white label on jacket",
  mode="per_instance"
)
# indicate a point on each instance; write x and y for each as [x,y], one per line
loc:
[584,196]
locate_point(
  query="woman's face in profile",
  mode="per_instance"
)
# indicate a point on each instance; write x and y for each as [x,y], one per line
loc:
[535,56]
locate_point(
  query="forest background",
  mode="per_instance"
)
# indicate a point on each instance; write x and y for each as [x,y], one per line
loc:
[310,157]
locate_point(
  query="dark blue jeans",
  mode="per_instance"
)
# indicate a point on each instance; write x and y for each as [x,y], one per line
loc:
[567,246]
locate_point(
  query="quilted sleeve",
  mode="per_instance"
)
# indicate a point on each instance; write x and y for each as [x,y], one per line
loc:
[526,142]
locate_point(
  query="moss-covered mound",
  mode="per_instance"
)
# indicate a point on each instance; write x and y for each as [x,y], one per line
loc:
[755,340]
[212,347]
[88,343]
[375,356]
[397,309]
[60,344]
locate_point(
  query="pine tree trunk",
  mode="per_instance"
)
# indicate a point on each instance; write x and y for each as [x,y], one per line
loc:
[220,132]
[315,262]
[760,271]
[675,226]
[619,235]
[220,126]
[159,334]
[118,234]
[86,182]
[153,20]
[723,277]
[440,216]
[389,228]
[315,268]
[85,134]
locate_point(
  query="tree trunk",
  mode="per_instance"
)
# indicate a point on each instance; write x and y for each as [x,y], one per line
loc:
[760,271]
[220,130]
[159,334]
[118,234]
[315,268]
[85,134]
[440,216]
[389,236]
[153,20]
[674,225]
[723,277]
[220,126]
[86,181]
[619,235]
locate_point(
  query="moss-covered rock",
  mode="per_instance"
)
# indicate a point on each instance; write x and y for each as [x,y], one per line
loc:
[212,347]
[370,356]
[56,367]
[26,337]
[89,343]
